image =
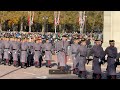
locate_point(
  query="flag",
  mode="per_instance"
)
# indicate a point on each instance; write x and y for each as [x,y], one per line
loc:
[55,18]
[32,18]
[29,18]
[79,19]
[58,19]
[84,17]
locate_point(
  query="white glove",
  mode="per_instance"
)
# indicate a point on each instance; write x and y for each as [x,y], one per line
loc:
[74,58]
[99,60]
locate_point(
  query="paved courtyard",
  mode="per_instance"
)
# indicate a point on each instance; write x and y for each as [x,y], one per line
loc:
[10,72]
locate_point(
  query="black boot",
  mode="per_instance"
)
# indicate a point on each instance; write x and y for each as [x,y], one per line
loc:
[62,68]
[58,66]
[9,63]
[15,64]
[113,76]
[94,76]
[98,76]
[22,65]
[4,62]
[74,72]
[109,77]
[79,75]
[40,63]
[0,61]
[37,65]
[50,66]
[25,66]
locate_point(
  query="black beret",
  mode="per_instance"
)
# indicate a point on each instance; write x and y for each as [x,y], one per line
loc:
[97,40]
[111,40]
[64,35]
[75,38]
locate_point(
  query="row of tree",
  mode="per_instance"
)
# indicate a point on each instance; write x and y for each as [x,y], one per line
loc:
[68,20]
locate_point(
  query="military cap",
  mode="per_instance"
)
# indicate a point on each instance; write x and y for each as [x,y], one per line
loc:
[75,38]
[97,40]
[47,38]
[111,41]
[64,35]
[83,39]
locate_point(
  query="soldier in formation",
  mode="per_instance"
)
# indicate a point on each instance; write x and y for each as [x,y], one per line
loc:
[111,52]
[27,52]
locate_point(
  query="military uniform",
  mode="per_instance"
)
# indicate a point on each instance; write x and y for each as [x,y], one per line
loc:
[1,51]
[19,50]
[74,47]
[23,57]
[30,54]
[61,48]
[98,54]
[15,49]
[48,48]
[11,40]
[81,58]
[7,49]
[37,54]
[111,53]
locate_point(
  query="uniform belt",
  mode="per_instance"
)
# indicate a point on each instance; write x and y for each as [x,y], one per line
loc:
[23,50]
[96,57]
[37,50]
[62,50]
[47,50]
[82,56]
[14,49]
[74,52]
[6,48]
[110,57]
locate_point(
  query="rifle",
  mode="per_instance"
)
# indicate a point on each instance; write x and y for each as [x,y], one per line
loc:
[117,63]
[88,60]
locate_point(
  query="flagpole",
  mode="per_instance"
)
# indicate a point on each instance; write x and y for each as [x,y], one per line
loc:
[80,16]
[55,20]
[30,23]
[83,20]
[55,29]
